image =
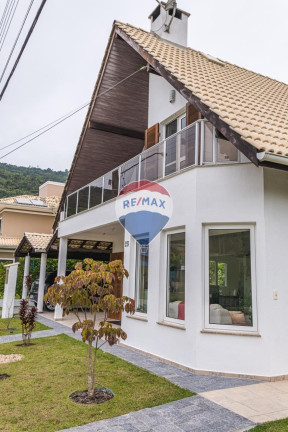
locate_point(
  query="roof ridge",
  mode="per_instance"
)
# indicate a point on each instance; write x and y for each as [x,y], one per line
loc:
[198,51]
[37,234]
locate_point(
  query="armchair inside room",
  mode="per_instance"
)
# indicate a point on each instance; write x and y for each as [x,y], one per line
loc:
[219,315]
[176,310]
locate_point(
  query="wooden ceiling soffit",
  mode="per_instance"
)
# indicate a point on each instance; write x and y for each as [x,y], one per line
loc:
[247,149]
[116,130]
[85,126]
[84,246]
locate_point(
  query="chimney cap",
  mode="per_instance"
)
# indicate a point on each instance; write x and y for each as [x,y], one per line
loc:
[164,4]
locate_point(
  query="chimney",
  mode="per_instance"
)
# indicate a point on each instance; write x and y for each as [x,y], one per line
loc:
[170,23]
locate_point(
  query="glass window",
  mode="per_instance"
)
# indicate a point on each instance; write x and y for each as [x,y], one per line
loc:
[176,276]
[175,146]
[171,128]
[141,285]
[230,286]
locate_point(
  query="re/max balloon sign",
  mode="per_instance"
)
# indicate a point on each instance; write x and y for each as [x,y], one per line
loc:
[144,208]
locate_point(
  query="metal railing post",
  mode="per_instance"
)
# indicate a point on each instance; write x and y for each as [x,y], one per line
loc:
[139,171]
[89,196]
[77,199]
[102,197]
[164,159]
[214,141]
[196,143]
[119,178]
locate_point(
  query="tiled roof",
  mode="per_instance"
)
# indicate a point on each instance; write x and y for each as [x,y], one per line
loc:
[9,241]
[38,241]
[254,106]
[51,201]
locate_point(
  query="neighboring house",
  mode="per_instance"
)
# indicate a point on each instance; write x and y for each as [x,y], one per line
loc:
[212,293]
[27,213]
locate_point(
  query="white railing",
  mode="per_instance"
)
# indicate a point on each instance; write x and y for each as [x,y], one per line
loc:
[197,144]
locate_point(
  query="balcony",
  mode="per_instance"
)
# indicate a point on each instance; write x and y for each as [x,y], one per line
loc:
[197,144]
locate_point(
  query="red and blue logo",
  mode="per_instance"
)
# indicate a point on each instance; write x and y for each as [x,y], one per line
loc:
[144,208]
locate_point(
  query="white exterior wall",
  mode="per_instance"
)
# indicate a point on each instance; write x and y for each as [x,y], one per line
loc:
[159,106]
[273,319]
[221,194]
[216,194]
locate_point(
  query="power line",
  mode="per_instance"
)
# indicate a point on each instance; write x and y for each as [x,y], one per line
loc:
[43,127]
[22,48]
[4,13]
[63,118]
[18,35]
[7,17]
[4,38]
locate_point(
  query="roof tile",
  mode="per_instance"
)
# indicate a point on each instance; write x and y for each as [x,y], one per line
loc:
[253,105]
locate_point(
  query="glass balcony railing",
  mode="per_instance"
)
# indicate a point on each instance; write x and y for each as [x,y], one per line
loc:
[197,144]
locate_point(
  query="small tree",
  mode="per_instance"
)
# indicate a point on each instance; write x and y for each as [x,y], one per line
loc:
[28,320]
[28,283]
[90,287]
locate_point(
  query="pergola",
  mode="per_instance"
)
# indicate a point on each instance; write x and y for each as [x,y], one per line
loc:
[45,246]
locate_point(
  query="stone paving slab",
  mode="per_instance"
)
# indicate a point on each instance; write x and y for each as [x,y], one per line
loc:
[193,414]
[181,377]
[18,337]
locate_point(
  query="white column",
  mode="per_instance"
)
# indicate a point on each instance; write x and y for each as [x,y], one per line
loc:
[62,257]
[41,282]
[9,290]
[26,273]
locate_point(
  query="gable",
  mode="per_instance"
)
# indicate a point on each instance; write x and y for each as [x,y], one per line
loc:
[116,123]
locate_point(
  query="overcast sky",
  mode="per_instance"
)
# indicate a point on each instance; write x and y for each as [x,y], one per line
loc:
[59,67]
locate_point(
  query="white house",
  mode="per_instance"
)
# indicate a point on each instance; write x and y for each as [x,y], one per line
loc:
[212,294]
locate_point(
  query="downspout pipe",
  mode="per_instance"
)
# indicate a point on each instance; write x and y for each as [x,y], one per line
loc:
[273,158]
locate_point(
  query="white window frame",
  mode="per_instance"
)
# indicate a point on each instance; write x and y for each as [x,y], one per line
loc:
[179,159]
[136,274]
[231,327]
[166,318]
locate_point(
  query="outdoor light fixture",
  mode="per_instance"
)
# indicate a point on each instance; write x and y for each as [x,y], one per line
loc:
[172,96]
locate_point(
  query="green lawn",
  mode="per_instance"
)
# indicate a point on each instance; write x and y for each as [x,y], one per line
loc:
[273,426]
[37,391]
[16,323]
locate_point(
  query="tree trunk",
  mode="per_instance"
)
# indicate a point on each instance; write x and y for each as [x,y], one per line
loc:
[90,371]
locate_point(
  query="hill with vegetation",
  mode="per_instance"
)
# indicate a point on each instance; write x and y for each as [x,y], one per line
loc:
[18,180]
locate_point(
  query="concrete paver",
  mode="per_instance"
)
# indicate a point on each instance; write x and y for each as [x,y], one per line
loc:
[259,403]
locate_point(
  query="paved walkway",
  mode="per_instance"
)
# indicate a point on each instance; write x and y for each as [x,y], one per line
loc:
[205,412]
